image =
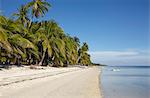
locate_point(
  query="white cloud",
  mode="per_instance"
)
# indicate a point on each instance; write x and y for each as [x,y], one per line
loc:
[128,57]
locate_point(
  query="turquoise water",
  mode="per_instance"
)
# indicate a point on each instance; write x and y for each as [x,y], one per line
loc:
[126,82]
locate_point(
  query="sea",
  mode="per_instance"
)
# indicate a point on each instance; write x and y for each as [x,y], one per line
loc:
[125,81]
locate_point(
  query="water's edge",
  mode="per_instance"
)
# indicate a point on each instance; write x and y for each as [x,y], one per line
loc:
[100,81]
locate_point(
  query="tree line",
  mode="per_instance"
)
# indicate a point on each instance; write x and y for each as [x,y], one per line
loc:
[26,40]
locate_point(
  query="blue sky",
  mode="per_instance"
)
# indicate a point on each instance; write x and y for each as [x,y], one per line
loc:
[116,30]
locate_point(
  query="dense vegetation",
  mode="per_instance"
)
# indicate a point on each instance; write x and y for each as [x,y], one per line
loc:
[24,40]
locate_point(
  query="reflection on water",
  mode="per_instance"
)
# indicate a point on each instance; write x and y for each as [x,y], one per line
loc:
[128,82]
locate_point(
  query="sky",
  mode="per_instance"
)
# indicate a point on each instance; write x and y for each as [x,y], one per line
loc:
[117,31]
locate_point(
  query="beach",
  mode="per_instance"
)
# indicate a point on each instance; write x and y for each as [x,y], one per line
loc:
[73,82]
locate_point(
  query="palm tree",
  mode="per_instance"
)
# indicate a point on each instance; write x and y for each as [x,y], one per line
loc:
[84,57]
[55,35]
[30,42]
[39,7]
[49,39]
[71,50]
[41,34]
[4,35]
[58,48]
[22,15]
[12,41]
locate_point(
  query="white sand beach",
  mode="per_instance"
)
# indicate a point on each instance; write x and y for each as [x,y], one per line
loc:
[73,82]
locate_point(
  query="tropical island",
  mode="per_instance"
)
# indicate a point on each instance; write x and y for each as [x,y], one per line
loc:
[26,40]
[63,65]
[60,48]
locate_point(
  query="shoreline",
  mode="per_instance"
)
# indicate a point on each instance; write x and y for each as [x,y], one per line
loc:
[99,78]
[81,78]
[100,82]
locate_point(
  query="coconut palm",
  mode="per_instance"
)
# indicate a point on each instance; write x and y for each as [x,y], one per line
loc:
[22,15]
[56,35]
[3,35]
[71,50]
[11,40]
[25,41]
[84,57]
[39,7]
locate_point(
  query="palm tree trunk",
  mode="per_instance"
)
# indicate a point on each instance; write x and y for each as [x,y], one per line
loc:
[43,56]
[78,59]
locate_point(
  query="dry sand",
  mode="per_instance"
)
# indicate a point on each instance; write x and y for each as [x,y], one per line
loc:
[76,83]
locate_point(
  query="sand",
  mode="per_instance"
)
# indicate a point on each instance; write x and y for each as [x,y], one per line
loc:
[72,82]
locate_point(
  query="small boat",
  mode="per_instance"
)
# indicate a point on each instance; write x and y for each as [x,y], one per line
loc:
[115,69]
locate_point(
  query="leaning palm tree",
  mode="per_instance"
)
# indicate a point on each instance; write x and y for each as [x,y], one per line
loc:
[20,45]
[83,56]
[5,46]
[85,59]
[4,33]
[71,49]
[57,41]
[22,15]
[29,41]
[39,7]
[58,48]
[12,41]
[53,43]
[41,31]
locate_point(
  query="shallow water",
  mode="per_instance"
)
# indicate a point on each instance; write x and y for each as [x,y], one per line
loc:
[126,82]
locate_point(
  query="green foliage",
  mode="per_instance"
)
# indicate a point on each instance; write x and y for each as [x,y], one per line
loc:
[42,42]
[39,7]
[84,57]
